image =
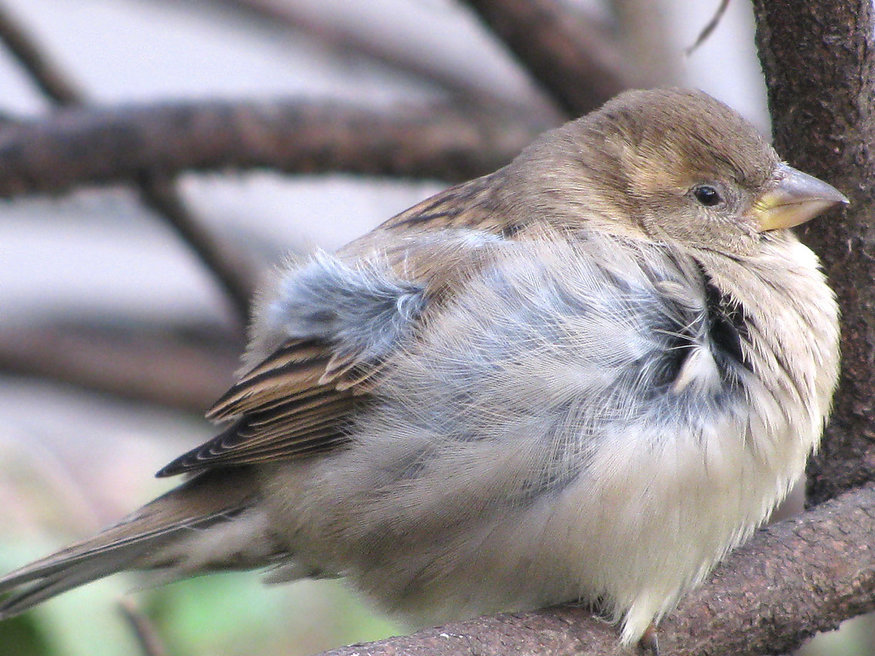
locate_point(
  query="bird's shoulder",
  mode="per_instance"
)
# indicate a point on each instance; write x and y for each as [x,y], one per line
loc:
[322,333]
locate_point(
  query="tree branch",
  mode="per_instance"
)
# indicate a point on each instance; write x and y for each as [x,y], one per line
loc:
[182,368]
[47,76]
[92,146]
[566,54]
[824,122]
[793,579]
[397,56]
[232,272]
[645,38]
[150,642]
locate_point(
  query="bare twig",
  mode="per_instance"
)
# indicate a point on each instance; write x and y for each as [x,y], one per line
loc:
[233,272]
[87,146]
[147,636]
[159,194]
[157,365]
[51,81]
[793,579]
[572,59]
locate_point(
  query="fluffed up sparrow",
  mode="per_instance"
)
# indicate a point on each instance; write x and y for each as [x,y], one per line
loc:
[587,375]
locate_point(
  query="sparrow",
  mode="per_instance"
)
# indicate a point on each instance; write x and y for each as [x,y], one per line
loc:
[587,375]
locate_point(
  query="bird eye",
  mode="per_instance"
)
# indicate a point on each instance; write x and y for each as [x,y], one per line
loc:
[707,195]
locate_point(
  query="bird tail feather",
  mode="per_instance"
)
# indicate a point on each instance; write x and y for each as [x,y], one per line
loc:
[161,535]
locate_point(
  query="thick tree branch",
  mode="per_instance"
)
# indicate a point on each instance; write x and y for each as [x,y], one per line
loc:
[179,368]
[157,192]
[91,146]
[824,122]
[792,580]
[571,58]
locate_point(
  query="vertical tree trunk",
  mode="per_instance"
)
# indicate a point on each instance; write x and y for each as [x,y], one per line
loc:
[819,61]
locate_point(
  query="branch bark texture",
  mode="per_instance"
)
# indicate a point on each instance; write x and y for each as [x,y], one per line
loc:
[819,61]
[79,146]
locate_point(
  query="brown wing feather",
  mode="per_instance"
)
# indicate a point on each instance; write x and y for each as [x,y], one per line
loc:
[284,407]
[296,367]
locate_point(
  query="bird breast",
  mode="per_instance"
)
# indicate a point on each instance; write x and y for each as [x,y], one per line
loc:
[613,389]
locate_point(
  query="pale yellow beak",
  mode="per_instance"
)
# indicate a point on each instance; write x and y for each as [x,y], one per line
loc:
[794,198]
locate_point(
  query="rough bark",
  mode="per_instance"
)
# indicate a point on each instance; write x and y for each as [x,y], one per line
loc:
[819,61]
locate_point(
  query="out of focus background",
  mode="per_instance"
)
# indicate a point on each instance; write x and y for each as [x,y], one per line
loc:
[114,335]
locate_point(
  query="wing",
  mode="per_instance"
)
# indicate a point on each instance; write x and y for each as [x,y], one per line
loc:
[276,410]
[320,340]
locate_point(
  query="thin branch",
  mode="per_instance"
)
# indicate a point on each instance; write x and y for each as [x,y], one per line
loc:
[179,368]
[79,146]
[709,28]
[147,635]
[159,194]
[571,58]
[824,123]
[793,579]
[397,56]
[234,272]
[50,80]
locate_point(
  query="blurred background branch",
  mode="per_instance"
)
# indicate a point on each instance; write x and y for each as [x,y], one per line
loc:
[348,41]
[158,193]
[577,63]
[184,367]
[85,146]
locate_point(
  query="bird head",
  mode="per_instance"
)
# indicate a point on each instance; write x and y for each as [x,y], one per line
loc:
[673,165]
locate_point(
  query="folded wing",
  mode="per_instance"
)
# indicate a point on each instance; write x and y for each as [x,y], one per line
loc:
[320,341]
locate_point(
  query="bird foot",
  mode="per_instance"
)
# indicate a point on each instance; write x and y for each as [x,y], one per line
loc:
[649,641]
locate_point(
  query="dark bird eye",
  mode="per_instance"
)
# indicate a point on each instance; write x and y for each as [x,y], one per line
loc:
[707,195]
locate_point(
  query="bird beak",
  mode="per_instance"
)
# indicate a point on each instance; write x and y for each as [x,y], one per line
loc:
[793,198]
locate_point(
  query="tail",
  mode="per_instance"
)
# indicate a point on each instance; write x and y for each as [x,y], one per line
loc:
[210,522]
